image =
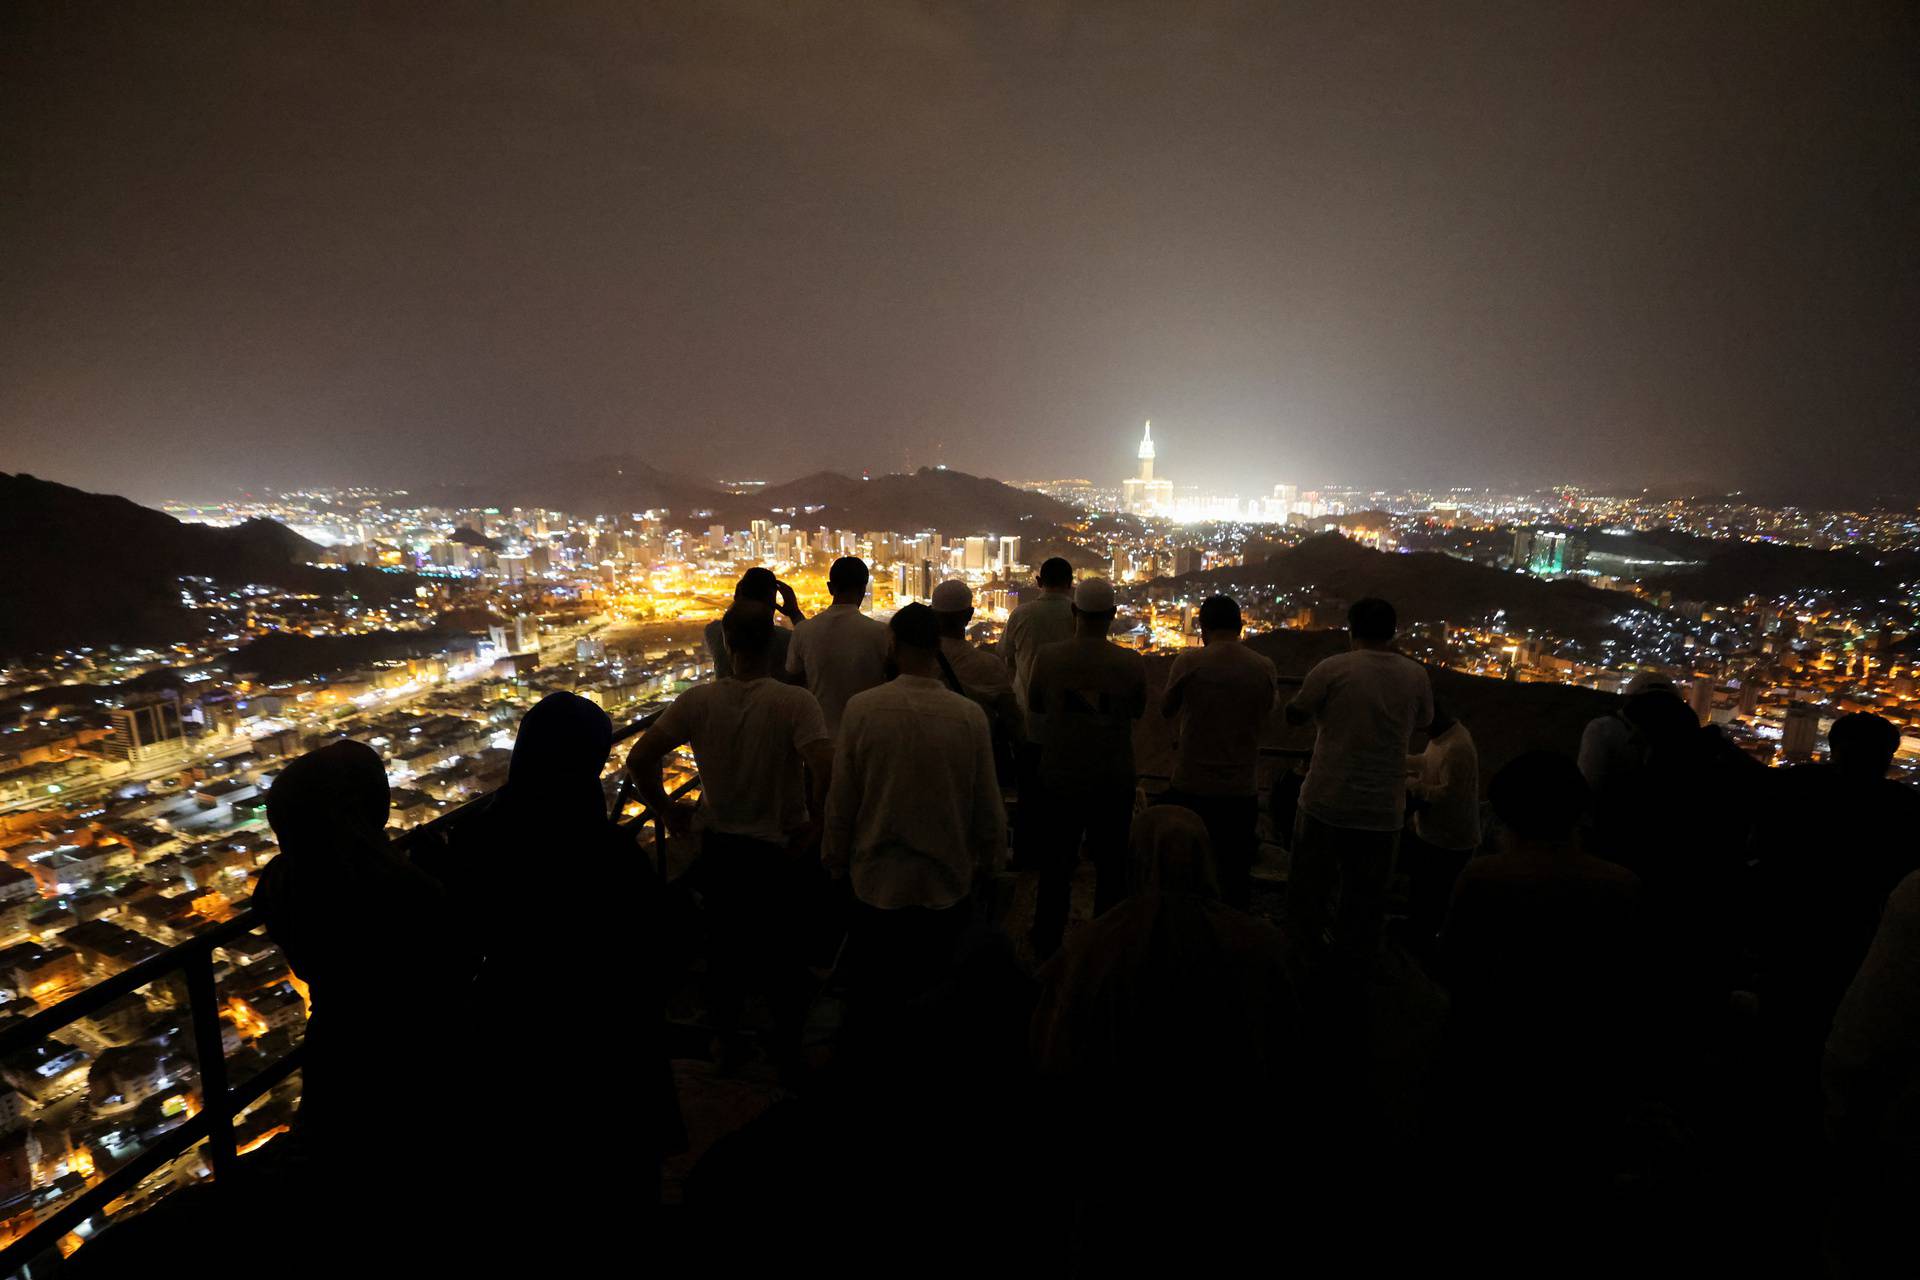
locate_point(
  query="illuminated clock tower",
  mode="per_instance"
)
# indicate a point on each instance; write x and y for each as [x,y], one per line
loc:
[1143,495]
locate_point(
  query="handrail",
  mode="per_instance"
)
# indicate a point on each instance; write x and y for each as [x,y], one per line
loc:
[219,1102]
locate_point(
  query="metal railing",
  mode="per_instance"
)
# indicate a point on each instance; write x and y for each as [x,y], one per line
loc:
[220,1101]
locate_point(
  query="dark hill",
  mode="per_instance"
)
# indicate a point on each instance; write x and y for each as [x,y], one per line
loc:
[953,502]
[286,656]
[821,489]
[474,538]
[1734,570]
[1505,718]
[87,568]
[612,484]
[1423,586]
[931,498]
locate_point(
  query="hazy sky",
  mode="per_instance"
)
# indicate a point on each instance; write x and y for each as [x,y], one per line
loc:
[256,243]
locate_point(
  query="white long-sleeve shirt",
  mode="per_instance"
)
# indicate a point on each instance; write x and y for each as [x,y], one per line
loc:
[915,810]
[1031,627]
[837,653]
[1447,776]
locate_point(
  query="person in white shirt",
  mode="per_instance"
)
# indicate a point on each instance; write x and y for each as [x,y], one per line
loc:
[914,818]
[973,671]
[1609,747]
[841,651]
[1221,697]
[1034,624]
[765,762]
[1366,705]
[1444,786]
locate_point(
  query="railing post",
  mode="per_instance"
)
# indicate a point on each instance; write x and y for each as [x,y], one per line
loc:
[215,1098]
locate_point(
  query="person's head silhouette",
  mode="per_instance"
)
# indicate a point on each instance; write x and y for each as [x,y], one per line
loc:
[757,586]
[748,630]
[1539,798]
[1219,619]
[1371,623]
[1661,719]
[915,644]
[330,796]
[1862,744]
[558,755]
[847,580]
[1169,852]
[1055,574]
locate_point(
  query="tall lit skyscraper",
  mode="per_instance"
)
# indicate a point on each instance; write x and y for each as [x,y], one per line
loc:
[1143,494]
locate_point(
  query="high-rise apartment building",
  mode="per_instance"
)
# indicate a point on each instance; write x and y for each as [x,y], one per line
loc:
[146,732]
[1802,729]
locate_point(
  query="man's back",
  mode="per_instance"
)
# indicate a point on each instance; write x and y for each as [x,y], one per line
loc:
[1224,696]
[982,675]
[915,807]
[839,652]
[1030,628]
[747,737]
[1366,705]
[1086,694]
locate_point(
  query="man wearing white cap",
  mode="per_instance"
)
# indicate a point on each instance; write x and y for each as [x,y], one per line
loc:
[1086,694]
[980,675]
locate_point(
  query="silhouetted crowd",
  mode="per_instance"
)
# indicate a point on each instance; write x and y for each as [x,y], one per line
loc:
[1650,1008]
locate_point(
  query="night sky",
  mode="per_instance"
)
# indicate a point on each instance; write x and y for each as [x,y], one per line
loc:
[249,243]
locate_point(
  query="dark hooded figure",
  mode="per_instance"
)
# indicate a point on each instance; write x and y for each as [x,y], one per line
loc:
[550,825]
[1168,1031]
[373,938]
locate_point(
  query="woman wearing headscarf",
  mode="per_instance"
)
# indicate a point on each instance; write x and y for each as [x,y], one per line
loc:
[375,942]
[604,979]
[1168,1026]
[548,825]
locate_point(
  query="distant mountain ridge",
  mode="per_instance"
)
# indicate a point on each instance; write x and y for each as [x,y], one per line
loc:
[953,502]
[93,569]
[1423,586]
